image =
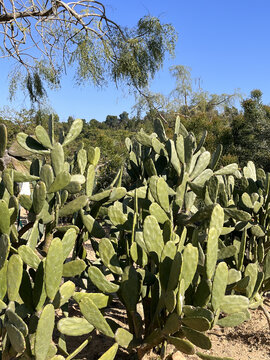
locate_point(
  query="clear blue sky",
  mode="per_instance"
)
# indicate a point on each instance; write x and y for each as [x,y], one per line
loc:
[226,43]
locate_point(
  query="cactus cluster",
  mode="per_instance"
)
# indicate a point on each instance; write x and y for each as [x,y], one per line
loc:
[185,248]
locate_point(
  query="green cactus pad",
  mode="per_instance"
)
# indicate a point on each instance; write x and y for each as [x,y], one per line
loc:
[212,252]
[201,179]
[93,155]
[116,215]
[234,276]
[16,338]
[54,268]
[34,236]
[180,148]
[3,139]
[234,304]
[234,319]
[92,314]
[198,323]
[14,276]
[173,156]
[7,177]
[28,256]
[100,300]
[4,249]
[57,158]
[257,231]
[101,282]
[217,219]
[182,345]
[92,226]
[23,177]
[219,285]
[73,187]
[90,180]
[25,291]
[39,291]
[166,260]
[158,147]
[60,182]
[158,213]
[66,291]
[46,175]
[159,130]
[44,332]
[13,203]
[242,250]
[211,357]
[266,266]
[103,196]
[192,311]
[143,138]
[172,324]
[43,137]
[197,338]
[73,268]
[239,215]
[180,297]
[30,144]
[3,280]
[201,164]
[3,306]
[74,206]
[227,252]
[138,255]
[74,131]
[74,326]
[123,337]
[153,238]
[82,160]
[110,353]
[117,194]
[68,242]
[109,257]
[162,194]
[4,218]
[179,128]
[17,321]
[189,264]
[130,288]
[251,271]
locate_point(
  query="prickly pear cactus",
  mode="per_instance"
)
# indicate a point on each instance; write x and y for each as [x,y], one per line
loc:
[35,277]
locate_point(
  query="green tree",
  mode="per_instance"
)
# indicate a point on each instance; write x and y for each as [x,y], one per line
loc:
[251,131]
[44,38]
[112,121]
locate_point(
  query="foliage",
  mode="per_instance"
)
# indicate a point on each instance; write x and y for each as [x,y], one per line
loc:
[251,131]
[81,35]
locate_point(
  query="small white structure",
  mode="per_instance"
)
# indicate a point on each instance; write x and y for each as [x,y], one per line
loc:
[25,189]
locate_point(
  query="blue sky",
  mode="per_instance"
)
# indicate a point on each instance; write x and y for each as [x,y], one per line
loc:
[226,43]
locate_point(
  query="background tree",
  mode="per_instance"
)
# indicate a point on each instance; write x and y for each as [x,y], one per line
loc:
[44,37]
[251,131]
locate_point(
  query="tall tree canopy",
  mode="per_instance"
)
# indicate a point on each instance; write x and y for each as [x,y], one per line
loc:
[46,36]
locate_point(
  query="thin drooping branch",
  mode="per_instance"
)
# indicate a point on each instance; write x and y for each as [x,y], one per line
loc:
[50,26]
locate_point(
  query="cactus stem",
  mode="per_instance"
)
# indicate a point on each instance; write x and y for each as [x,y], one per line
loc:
[25,228]
[48,237]
[266,313]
